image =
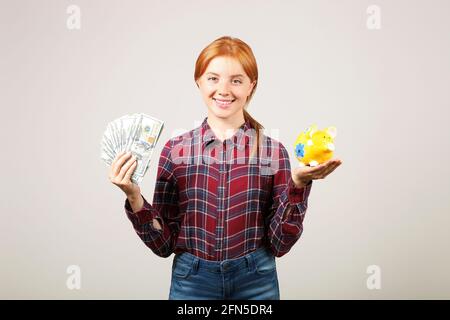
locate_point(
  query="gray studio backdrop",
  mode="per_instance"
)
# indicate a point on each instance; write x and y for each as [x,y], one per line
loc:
[377,228]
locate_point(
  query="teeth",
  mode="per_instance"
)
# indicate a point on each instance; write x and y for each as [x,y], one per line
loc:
[224,102]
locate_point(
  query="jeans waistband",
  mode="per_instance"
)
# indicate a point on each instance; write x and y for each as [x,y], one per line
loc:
[228,265]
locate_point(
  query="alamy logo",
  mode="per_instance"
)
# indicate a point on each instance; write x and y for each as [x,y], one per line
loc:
[74,279]
[374,19]
[188,149]
[74,20]
[374,280]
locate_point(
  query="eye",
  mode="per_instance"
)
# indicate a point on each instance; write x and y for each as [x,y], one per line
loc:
[239,81]
[210,78]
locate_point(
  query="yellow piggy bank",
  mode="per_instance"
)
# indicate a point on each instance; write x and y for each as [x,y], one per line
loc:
[314,146]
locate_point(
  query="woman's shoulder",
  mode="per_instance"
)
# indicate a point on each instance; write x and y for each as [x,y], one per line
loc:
[177,147]
[273,144]
[181,139]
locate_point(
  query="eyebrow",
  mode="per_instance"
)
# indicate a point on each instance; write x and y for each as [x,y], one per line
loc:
[234,75]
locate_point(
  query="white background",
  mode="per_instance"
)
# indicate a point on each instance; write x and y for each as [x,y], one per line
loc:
[385,90]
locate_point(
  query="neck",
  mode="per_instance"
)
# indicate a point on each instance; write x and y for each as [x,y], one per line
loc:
[225,128]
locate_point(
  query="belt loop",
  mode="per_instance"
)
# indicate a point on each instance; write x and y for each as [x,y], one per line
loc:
[250,262]
[195,264]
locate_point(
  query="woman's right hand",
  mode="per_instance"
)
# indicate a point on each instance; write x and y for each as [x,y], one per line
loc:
[121,171]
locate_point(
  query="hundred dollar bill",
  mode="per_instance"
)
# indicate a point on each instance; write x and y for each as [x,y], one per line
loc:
[145,135]
[137,133]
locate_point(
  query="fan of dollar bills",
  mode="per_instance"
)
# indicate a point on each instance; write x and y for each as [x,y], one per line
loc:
[137,133]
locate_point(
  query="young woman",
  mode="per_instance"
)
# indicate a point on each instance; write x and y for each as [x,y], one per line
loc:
[226,202]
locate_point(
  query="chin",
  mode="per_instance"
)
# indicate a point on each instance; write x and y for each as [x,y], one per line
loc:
[223,113]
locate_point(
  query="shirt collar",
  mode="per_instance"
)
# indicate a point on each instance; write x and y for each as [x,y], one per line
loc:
[237,140]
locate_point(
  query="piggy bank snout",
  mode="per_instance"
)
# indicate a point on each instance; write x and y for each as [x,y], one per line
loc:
[330,146]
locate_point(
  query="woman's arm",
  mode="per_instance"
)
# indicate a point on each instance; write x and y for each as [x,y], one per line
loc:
[288,207]
[158,224]
[136,202]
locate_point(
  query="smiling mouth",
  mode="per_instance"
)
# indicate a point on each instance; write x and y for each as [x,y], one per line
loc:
[223,103]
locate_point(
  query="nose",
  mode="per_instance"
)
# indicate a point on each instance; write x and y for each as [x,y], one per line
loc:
[223,88]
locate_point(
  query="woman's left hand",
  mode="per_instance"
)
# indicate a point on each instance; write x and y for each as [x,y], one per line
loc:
[301,176]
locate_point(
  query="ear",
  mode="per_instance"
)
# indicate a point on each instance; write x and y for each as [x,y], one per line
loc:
[252,85]
[312,129]
[332,131]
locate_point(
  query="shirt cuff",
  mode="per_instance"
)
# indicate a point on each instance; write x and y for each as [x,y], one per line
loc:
[142,216]
[296,194]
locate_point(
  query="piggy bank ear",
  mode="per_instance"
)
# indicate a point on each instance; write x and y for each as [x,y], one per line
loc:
[312,129]
[332,131]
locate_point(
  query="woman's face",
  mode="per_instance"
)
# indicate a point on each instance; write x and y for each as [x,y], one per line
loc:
[225,87]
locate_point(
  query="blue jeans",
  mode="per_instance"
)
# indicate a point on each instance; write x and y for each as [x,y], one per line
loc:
[253,276]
